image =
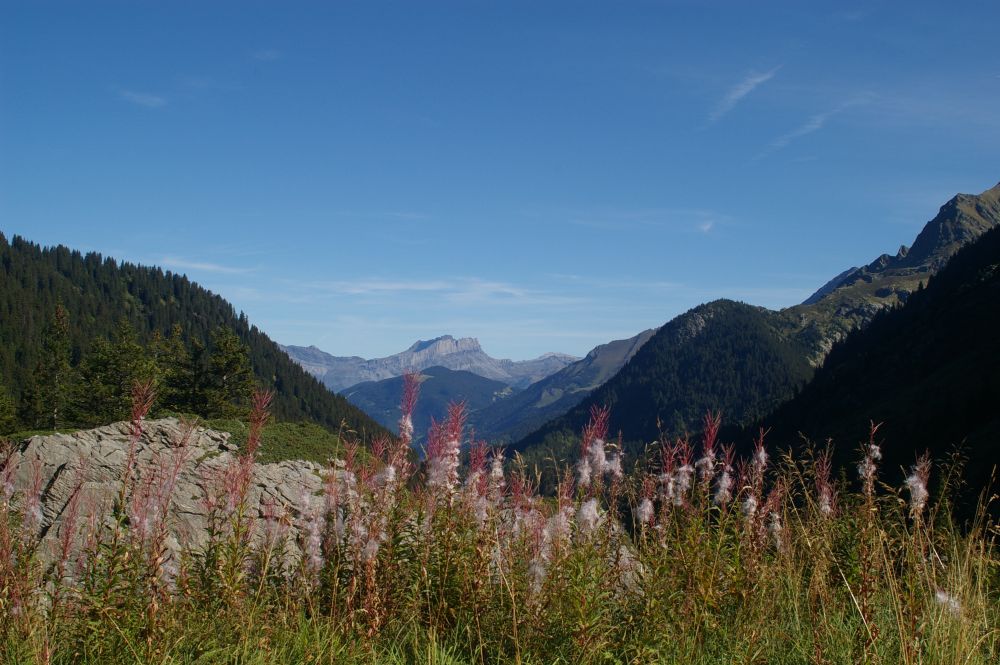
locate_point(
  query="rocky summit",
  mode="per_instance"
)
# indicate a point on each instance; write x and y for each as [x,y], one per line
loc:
[92,463]
[462,354]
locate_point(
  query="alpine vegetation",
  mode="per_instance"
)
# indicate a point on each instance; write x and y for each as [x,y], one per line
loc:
[692,556]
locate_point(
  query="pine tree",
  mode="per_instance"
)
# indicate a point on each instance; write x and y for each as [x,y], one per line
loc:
[8,416]
[54,371]
[108,373]
[231,375]
[175,371]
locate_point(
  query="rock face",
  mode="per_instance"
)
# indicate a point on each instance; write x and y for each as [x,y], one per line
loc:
[94,461]
[338,373]
[510,419]
[851,299]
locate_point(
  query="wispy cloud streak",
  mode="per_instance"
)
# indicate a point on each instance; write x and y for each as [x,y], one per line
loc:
[810,126]
[267,55]
[749,83]
[146,99]
[186,264]
[462,290]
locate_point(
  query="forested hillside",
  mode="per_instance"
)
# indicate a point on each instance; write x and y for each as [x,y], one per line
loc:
[68,319]
[723,355]
[929,370]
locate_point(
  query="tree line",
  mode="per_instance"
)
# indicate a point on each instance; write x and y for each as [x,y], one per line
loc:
[212,381]
[103,298]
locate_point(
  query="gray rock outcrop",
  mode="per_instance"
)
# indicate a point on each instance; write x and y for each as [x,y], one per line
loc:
[92,463]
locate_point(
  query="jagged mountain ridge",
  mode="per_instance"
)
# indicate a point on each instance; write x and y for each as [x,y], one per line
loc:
[339,373]
[929,370]
[855,296]
[648,388]
[511,418]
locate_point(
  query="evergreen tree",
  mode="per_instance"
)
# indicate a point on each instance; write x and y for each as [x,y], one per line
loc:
[175,372]
[8,416]
[97,292]
[231,375]
[108,373]
[54,371]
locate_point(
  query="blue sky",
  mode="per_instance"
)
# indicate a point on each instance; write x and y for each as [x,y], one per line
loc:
[545,176]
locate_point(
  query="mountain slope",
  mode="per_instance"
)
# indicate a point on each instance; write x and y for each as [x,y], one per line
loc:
[930,370]
[338,373]
[722,355]
[852,298]
[686,374]
[98,291]
[438,387]
[514,417]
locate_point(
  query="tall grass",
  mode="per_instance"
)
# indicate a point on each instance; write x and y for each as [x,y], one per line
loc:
[697,558]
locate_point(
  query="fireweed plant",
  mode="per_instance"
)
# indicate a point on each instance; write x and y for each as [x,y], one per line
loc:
[694,557]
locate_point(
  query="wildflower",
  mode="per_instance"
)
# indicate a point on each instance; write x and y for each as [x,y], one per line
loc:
[667,489]
[613,467]
[682,483]
[584,472]
[645,511]
[774,528]
[948,601]
[594,460]
[588,516]
[916,482]
[825,496]
[496,474]
[759,459]
[443,450]
[311,528]
[868,466]
[7,477]
[706,465]
[750,506]
[557,528]
[724,487]
[411,390]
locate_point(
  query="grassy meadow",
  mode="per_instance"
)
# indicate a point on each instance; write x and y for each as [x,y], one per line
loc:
[695,557]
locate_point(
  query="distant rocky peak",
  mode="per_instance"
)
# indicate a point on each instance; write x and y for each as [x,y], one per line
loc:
[963,218]
[446,344]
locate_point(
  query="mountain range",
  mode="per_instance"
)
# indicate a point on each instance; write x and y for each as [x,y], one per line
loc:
[338,373]
[746,360]
[498,411]
[929,371]
[438,387]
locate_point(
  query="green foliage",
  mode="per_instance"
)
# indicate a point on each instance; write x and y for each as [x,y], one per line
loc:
[705,583]
[930,370]
[285,441]
[8,412]
[231,375]
[724,355]
[438,388]
[163,308]
[107,373]
[54,375]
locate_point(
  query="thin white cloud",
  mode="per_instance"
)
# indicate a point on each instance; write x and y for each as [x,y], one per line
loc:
[267,55]
[186,264]
[663,218]
[707,226]
[749,83]
[466,291]
[378,286]
[146,99]
[810,126]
